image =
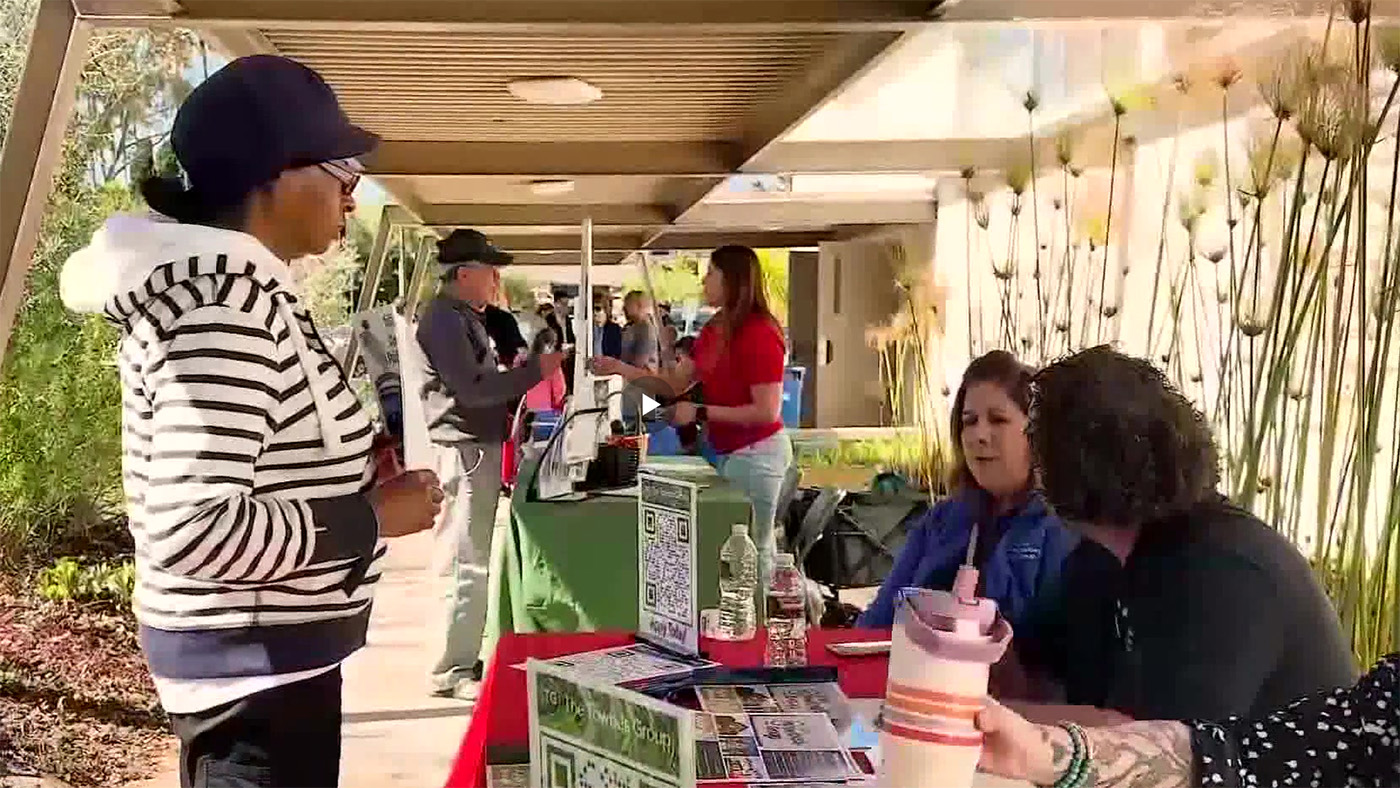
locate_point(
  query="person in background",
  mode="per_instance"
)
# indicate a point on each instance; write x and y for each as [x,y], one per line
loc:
[250,490]
[563,325]
[640,345]
[1178,605]
[563,318]
[503,329]
[1344,737]
[739,363]
[671,336]
[468,400]
[549,394]
[607,334]
[685,350]
[1020,544]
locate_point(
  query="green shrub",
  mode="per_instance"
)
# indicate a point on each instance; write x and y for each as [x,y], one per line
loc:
[70,581]
[60,405]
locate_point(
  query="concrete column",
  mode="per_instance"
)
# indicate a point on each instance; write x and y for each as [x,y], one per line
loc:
[857,291]
[34,145]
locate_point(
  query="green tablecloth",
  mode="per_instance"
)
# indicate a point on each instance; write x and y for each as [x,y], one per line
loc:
[572,566]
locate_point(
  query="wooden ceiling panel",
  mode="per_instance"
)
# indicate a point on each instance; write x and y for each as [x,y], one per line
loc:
[453,86]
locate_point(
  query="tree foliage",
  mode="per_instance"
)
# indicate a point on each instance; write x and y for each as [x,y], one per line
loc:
[60,403]
[679,282]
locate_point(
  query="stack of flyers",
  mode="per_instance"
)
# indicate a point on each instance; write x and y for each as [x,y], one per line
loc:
[626,665]
[825,699]
[775,747]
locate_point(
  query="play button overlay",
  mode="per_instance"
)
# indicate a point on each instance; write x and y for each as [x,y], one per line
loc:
[649,405]
[646,399]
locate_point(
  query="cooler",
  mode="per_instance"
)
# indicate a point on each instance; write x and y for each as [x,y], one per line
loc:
[791,411]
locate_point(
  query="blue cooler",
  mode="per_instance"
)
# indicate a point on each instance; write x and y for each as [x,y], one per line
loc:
[792,396]
[544,424]
[663,442]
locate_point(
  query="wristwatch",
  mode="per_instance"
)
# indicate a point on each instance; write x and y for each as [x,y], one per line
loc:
[702,414]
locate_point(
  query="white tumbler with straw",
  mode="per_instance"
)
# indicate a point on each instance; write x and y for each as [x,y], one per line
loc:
[941,651]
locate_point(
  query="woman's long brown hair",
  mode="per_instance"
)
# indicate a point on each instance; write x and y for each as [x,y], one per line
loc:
[744,293]
[1006,372]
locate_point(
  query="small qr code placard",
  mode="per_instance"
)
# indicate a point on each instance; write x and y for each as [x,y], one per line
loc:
[666,563]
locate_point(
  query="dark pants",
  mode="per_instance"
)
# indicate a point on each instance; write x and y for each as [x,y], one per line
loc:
[284,737]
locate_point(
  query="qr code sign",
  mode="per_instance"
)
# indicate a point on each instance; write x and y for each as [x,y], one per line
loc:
[667,546]
[571,767]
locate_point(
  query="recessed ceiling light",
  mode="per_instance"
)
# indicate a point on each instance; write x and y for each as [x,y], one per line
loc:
[558,91]
[551,188]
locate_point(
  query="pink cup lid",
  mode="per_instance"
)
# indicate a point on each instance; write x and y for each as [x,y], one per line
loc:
[944,625]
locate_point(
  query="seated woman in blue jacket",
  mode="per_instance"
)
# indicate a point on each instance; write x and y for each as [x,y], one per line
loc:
[1020,544]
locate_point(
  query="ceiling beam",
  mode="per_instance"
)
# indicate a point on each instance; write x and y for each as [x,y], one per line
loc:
[840,66]
[896,156]
[567,258]
[539,215]
[835,71]
[555,159]
[33,146]
[1097,12]
[526,16]
[236,42]
[797,213]
[673,239]
[555,242]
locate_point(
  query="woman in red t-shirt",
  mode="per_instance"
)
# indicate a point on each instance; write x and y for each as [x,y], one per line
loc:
[739,362]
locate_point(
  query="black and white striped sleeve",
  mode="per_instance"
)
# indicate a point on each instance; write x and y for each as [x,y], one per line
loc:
[214,400]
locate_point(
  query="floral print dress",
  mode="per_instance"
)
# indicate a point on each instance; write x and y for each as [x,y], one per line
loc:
[1349,737]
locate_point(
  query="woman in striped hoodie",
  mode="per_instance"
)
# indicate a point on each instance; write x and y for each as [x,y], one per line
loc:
[250,491]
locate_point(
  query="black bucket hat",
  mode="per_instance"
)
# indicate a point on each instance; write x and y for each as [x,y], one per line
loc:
[464,247]
[256,118]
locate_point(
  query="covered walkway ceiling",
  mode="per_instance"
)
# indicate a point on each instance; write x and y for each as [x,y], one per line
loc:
[693,92]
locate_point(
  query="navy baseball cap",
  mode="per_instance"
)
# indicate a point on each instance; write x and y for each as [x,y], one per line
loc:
[464,247]
[256,118]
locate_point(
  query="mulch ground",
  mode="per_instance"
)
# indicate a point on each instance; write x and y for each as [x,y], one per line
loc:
[76,701]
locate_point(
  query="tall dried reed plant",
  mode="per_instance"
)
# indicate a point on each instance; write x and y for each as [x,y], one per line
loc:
[905,345]
[1274,295]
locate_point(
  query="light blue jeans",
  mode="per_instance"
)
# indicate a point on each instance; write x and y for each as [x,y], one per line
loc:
[759,471]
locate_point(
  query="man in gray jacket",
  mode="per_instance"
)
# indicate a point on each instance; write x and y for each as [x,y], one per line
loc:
[467,401]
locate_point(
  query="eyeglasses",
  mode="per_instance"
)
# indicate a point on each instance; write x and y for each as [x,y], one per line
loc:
[347,171]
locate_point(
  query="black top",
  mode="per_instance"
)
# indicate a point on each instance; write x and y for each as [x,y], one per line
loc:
[1214,614]
[505,332]
[1343,737]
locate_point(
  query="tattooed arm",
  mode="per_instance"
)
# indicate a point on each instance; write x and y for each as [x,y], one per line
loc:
[1349,737]
[1138,755]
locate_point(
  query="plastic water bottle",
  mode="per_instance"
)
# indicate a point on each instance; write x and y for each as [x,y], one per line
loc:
[738,579]
[787,616]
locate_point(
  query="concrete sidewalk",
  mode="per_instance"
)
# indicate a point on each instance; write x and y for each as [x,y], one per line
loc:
[395,735]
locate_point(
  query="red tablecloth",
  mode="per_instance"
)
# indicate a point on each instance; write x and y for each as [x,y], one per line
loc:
[502,719]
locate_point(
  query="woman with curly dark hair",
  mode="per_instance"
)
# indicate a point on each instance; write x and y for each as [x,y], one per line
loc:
[1179,605]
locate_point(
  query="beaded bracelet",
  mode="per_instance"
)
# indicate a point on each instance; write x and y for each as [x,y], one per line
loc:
[1077,775]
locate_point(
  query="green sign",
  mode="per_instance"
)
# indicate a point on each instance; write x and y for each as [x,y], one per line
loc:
[610,721]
